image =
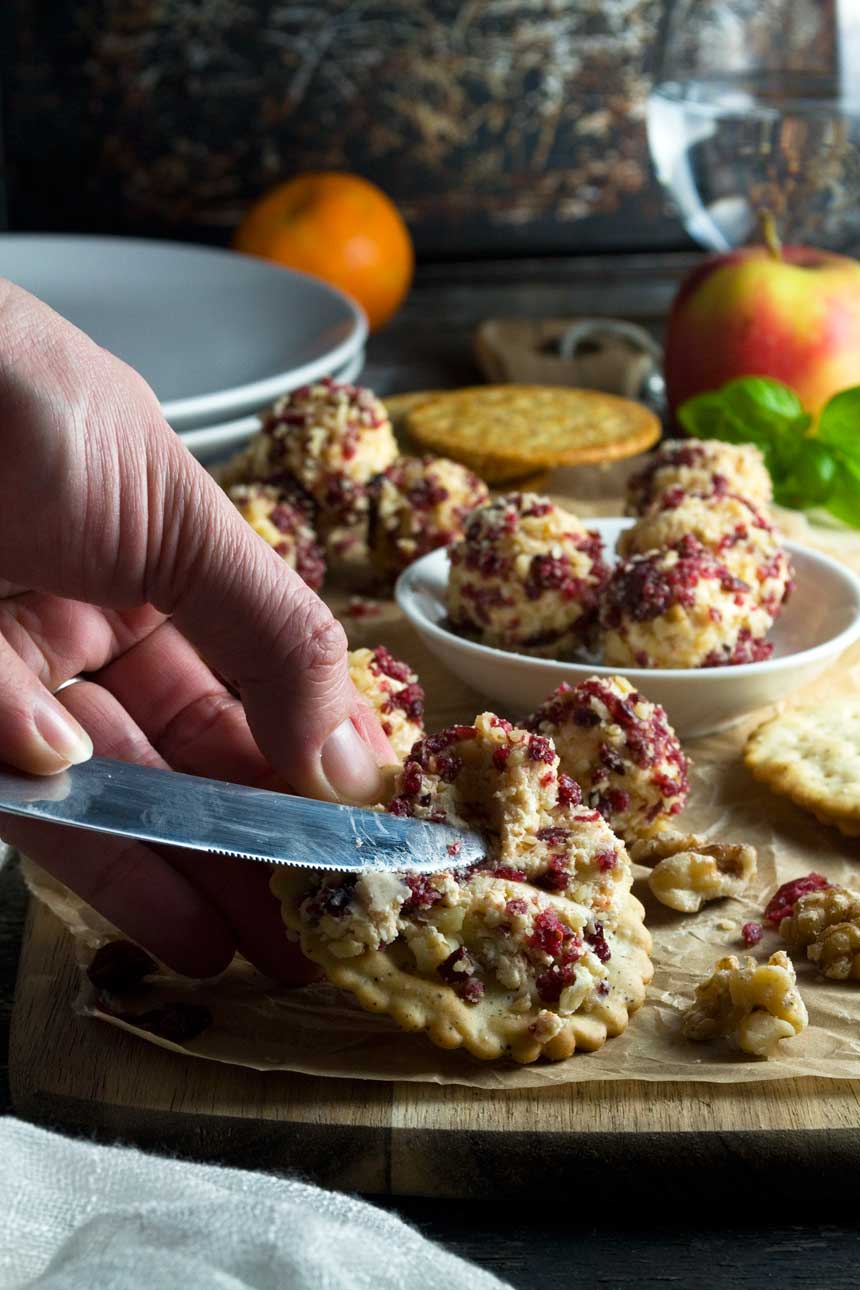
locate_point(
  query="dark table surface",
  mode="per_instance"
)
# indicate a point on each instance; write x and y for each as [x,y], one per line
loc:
[745,1232]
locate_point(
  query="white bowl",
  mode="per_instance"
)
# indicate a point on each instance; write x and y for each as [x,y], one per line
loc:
[821,619]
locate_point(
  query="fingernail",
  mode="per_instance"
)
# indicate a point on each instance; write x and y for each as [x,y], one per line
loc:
[59,730]
[350,766]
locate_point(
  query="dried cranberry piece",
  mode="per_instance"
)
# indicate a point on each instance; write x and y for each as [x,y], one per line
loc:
[569,792]
[457,965]
[448,767]
[360,607]
[423,893]
[555,877]
[540,749]
[500,723]
[752,933]
[614,802]
[500,756]
[553,937]
[596,939]
[516,906]
[471,990]
[460,971]
[120,966]
[410,779]
[606,860]
[511,874]
[550,984]
[385,662]
[553,834]
[782,902]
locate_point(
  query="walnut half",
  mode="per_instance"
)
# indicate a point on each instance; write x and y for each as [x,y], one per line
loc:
[837,951]
[816,911]
[694,872]
[755,1004]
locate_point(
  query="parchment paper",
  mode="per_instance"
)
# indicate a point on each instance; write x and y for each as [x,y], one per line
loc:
[317,1030]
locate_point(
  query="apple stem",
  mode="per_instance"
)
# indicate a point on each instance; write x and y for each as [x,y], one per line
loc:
[769,234]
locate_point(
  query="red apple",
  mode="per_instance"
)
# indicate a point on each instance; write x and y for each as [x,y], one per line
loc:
[790,312]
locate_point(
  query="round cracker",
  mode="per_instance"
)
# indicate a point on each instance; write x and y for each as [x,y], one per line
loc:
[398,407]
[812,756]
[506,431]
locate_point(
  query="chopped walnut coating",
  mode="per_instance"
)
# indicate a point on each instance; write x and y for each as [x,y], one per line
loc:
[836,952]
[687,879]
[755,1004]
[816,911]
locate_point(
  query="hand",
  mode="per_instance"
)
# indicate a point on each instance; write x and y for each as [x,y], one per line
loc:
[121,559]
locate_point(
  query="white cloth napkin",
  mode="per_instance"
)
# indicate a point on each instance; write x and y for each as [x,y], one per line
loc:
[76,1216]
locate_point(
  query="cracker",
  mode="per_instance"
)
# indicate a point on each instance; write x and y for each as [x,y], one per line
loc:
[812,756]
[503,432]
[489,1030]
[398,407]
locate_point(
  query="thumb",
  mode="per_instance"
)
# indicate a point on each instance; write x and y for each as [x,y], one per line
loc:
[255,620]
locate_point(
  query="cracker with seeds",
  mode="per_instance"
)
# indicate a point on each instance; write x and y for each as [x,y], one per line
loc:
[812,756]
[503,432]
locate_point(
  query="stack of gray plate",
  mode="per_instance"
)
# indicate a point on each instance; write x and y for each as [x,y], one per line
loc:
[216,334]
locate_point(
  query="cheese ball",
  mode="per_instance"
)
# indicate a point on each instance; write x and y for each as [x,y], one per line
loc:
[325,436]
[272,513]
[526,576]
[680,607]
[700,466]
[391,688]
[738,534]
[418,504]
[620,749]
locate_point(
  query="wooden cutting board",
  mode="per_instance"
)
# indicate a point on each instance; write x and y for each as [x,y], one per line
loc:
[408,1138]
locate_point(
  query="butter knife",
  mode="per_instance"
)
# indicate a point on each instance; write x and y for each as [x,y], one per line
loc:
[252,823]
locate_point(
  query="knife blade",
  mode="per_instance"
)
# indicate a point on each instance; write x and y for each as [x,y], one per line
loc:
[155,805]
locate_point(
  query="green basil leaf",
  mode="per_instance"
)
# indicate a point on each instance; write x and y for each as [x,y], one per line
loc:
[703,416]
[762,402]
[839,423]
[812,476]
[844,499]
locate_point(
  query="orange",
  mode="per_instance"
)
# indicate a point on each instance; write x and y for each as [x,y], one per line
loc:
[341,228]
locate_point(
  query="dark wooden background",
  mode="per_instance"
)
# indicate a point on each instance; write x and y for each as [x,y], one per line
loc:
[500,127]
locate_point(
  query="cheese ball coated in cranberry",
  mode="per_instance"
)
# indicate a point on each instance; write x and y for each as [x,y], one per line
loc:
[680,607]
[526,576]
[326,435]
[730,527]
[620,749]
[392,689]
[418,504]
[273,515]
[700,466]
